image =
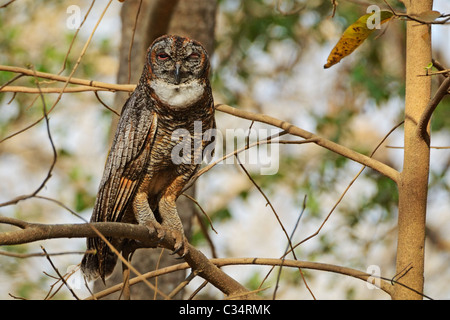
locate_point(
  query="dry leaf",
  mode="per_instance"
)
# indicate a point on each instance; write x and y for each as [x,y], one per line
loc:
[353,36]
[427,16]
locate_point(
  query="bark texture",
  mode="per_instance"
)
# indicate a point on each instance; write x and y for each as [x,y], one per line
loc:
[413,183]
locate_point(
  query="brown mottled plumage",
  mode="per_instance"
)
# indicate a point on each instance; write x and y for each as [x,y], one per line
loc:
[141,180]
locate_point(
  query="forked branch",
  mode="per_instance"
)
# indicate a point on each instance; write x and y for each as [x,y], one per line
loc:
[323,142]
[31,232]
[442,91]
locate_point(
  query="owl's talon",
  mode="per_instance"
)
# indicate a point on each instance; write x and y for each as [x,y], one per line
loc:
[180,244]
[176,250]
[160,232]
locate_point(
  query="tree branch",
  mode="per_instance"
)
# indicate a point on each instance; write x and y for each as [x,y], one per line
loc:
[330,145]
[207,269]
[31,232]
[380,282]
[288,127]
[72,80]
[23,89]
[418,17]
[442,91]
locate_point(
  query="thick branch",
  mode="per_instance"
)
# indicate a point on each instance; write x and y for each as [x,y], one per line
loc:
[332,146]
[31,232]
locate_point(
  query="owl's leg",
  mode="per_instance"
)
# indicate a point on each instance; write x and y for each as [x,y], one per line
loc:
[171,223]
[144,214]
[170,219]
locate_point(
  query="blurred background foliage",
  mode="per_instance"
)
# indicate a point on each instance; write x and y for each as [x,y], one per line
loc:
[269,58]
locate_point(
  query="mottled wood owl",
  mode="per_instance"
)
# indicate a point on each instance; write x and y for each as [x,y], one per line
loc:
[143,176]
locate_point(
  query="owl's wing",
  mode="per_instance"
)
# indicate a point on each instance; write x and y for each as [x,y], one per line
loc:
[127,159]
[126,164]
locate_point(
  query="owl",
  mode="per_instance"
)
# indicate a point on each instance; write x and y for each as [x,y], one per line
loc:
[143,176]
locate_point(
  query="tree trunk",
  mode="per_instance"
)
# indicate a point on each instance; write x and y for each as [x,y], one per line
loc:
[413,184]
[193,18]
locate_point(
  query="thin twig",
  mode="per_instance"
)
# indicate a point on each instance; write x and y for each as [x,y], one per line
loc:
[325,143]
[183,284]
[105,105]
[7,4]
[59,274]
[11,81]
[37,254]
[71,80]
[196,291]
[55,155]
[348,187]
[156,268]
[340,198]
[66,80]
[22,89]
[289,245]
[132,40]
[257,143]
[267,200]
[74,37]
[445,17]
[202,225]
[201,209]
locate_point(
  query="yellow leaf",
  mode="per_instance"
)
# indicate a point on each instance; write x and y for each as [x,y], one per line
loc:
[354,35]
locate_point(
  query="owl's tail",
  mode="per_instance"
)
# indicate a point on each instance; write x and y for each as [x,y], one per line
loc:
[101,262]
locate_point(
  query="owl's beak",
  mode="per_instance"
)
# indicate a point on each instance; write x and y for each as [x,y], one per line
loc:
[177,72]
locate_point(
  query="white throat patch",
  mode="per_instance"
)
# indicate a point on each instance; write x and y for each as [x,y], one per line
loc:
[178,96]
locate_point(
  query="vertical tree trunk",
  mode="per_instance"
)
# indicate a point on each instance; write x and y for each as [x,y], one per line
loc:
[413,185]
[193,18]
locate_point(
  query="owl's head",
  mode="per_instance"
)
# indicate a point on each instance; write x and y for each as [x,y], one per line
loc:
[177,60]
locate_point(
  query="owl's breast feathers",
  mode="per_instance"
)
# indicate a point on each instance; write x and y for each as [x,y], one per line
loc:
[178,96]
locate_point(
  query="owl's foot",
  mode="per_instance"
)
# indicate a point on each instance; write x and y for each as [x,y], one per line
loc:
[181,244]
[155,226]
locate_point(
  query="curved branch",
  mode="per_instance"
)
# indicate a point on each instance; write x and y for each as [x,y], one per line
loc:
[31,232]
[330,145]
[442,91]
[383,284]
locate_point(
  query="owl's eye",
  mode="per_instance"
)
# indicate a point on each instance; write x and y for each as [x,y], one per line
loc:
[162,56]
[194,56]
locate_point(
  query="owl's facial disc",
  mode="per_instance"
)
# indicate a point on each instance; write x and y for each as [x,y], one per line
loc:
[178,60]
[178,66]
